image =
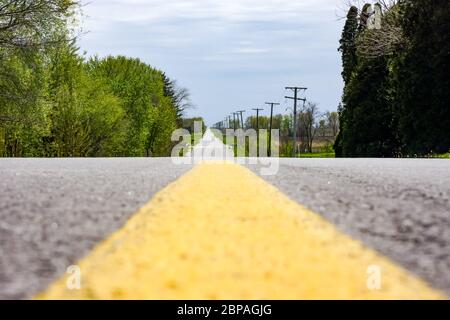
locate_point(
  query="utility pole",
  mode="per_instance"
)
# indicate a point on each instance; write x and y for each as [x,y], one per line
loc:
[234,121]
[257,129]
[296,91]
[242,119]
[257,117]
[272,104]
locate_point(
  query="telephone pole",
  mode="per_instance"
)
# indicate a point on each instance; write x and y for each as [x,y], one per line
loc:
[242,119]
[296,91]
[257,117]
[257,129]
[272,104]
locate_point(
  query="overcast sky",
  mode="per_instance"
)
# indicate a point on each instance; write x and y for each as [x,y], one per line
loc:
[230,54]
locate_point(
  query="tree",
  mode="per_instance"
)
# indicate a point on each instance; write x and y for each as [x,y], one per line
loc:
[55,103]
[332,119]
[23,110]
[27,28]
[150,113]
[348,45]
[368,125]
[85,114]
[349,60]
[308,124]
[397,100]
[179,96]
[388,40]
[32,23]
[322,128]
[369,128]
[422,78]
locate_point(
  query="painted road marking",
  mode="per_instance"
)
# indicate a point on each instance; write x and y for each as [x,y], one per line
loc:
[221,232]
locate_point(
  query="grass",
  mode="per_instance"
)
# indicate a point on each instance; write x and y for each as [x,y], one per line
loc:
[317,155]
[441,156]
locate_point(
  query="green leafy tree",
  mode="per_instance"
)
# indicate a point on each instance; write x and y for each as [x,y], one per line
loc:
[86,116]
[150,114]
[23,109]
[34,23]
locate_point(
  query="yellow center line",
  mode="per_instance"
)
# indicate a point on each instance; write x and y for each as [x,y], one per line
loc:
[221,232]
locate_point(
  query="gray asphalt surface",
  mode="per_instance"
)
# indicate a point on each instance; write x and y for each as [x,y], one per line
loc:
[400,207]
[52,212]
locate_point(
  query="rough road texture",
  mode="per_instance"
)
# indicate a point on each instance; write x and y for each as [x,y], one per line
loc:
[240,239]
[400,207]
[52,212]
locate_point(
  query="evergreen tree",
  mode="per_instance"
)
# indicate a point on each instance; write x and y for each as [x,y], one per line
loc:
[396,100]
[349,60]
[369,128]
[348,44]
[368,125]
[423,80]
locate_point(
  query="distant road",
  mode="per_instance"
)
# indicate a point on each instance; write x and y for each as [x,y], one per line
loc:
[54,211]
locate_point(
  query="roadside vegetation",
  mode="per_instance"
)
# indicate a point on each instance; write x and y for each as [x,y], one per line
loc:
[316,131]
[190,124]
[55,102]
[396,100]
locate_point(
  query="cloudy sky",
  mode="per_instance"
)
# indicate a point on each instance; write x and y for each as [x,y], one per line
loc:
[230,54]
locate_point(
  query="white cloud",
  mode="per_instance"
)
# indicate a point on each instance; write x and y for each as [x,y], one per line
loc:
[233,10]
[220,44]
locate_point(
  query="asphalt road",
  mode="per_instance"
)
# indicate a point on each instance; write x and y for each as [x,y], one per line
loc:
[400,207]
[52,212]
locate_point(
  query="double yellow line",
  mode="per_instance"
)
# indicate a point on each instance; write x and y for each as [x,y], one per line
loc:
[221,232]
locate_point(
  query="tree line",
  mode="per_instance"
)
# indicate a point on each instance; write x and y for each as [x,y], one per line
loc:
[396,100]
[55,102]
